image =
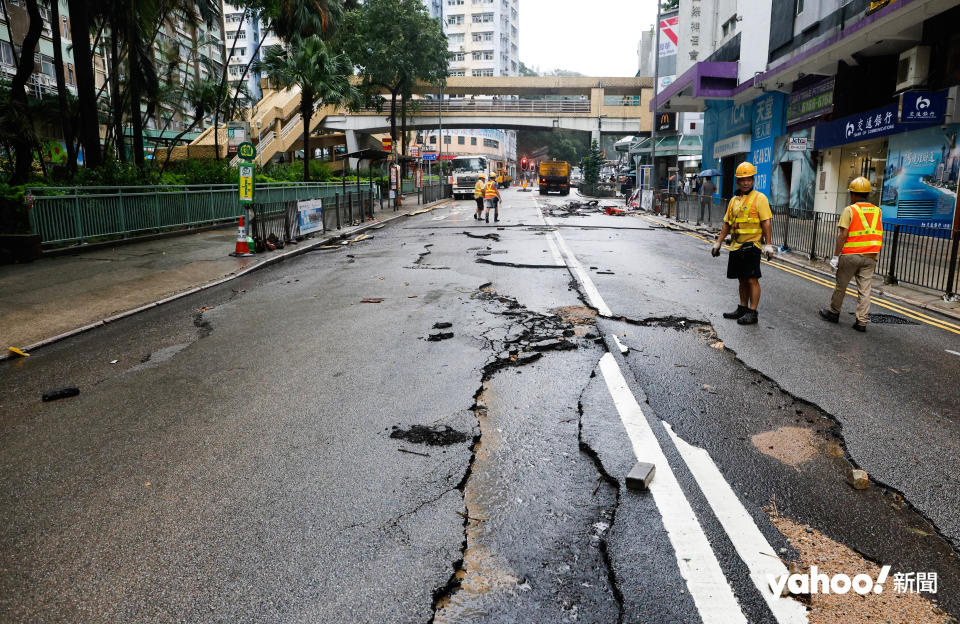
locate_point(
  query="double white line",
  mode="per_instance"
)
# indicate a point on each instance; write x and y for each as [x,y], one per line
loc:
[698,564]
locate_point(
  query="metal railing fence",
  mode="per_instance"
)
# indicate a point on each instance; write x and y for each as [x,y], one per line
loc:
[64,215]
[928,257]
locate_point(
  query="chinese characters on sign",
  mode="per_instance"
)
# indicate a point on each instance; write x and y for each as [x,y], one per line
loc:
[923,106]
[694,49]
[246,182]
[811,102]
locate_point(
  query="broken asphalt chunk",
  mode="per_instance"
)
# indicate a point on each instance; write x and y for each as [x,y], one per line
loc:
[641,476]
[442,325]
[60,393]
[438,435]
[372,300]
[439,336]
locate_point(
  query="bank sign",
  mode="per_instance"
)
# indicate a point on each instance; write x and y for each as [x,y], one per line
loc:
[873,124]
[923,106]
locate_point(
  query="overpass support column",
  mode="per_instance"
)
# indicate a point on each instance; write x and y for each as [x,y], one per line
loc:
[595,135]
[353,146]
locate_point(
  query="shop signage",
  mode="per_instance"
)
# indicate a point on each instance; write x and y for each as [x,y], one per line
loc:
[810,102]
[876,5]
[737,144]
[387,144]
[768,123]
[740,118]
[797,144]
[923,106]
[666,122]
[310,215]
[864,126]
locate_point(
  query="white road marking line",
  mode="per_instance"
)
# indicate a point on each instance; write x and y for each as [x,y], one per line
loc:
[951,352]
[751,545]
[698,564]
[593,295]
[623,348]
[557,258]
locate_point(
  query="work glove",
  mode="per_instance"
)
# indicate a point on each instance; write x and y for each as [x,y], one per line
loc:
[716,249]
[834,262]
[769,251]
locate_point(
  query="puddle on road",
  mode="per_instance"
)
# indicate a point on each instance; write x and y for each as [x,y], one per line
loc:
[832,557]
[790,445]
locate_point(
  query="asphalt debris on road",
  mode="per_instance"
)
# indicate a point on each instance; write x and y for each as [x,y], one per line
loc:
[435,435]
[490,236]
[60,393]
[437,337]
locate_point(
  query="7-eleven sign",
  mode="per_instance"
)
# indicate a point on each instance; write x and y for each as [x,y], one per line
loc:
[669,36]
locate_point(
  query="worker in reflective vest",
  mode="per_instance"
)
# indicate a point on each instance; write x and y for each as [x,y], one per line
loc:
[492,197]
[748,219]
[478,195]
[859,240]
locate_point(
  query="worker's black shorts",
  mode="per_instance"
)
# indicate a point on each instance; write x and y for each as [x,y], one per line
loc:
[744,263]
[479,203]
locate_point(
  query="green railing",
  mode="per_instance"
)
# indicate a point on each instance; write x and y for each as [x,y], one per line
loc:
[81,214]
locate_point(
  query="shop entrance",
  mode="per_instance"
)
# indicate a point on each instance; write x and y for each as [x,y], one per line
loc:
[867,159]
[729,164]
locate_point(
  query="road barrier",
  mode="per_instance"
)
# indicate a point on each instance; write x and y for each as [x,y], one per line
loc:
[64,215]
[922,256]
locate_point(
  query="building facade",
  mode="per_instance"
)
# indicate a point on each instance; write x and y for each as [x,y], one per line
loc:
[826,92]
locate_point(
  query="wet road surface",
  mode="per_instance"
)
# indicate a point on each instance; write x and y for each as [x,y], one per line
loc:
[276,449]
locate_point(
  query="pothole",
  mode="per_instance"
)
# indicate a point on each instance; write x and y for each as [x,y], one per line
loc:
[437,435]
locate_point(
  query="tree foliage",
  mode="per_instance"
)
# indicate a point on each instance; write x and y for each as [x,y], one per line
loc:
[592,163]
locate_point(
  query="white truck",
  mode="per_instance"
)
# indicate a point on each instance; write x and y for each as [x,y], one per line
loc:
[465,171]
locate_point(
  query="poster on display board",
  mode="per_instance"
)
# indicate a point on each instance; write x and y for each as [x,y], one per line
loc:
[310,216]
[920,179]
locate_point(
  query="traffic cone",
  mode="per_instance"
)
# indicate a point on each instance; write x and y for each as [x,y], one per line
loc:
[243,249]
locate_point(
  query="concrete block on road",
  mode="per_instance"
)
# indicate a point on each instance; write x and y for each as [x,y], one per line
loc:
[641,476]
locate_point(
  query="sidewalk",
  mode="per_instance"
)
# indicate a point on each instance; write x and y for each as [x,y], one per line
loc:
[58,296]
[913,295]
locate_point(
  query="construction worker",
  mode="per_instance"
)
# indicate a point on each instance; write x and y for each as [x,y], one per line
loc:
[492,196]
[478,195]
[859,239]
[748,219]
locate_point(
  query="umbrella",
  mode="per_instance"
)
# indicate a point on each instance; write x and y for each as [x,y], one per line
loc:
[706,173]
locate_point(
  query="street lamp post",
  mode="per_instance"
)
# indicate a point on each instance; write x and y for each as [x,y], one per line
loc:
[259,151]
[653,117]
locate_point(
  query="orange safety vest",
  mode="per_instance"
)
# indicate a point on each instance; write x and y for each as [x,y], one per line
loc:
[478,189]
[744,223]
[866,229]
[491,190]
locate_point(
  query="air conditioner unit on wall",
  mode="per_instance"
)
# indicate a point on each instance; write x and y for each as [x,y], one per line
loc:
[913,67]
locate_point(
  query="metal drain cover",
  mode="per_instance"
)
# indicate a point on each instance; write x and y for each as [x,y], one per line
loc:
[891,319]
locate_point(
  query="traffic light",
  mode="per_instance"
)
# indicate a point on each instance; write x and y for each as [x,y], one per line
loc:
[523,163]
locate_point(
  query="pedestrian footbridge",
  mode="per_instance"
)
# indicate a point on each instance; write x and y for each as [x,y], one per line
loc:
[595,105]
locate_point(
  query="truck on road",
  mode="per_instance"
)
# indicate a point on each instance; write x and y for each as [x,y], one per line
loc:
[554,176]
[465,170]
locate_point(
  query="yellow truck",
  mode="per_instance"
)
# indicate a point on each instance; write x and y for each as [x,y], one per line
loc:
[504,179]
[554,176]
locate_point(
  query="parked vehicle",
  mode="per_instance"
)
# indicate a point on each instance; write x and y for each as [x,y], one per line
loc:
[576,176]
[465,171]
[554,176]
[628,180]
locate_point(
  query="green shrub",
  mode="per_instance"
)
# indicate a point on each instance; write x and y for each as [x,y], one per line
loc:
[14,215]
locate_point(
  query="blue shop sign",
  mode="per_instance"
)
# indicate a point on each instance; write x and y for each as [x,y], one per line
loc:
[873,124]
[923,106]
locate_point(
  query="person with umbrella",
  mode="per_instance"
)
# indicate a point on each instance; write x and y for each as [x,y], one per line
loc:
[707,189]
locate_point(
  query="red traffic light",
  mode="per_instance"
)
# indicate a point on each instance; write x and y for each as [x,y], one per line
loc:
[523,162]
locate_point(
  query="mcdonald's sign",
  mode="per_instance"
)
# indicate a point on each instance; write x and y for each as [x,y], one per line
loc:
[666,122]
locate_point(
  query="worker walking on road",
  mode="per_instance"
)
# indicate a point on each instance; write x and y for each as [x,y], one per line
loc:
[492,196]
[478,195]
[748,218]
[859,239]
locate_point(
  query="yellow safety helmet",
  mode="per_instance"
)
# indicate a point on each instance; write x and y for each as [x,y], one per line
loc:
[482,176]
[746,170]
[860,185]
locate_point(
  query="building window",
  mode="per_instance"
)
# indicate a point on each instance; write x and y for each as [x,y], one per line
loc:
[458,56]
[6,53]
[799,7]
[457,72]
[491,143]
[433,140]
[482,18]
[241,35]
[481,72]
[455,38]
[455,2]
[446,139]
[461,140]
[473,140]
[454,19]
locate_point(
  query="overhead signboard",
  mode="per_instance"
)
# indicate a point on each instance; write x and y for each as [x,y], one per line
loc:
[430,156]
[737,144]
[797,144]
[923,106]
[666,122]
[812,101]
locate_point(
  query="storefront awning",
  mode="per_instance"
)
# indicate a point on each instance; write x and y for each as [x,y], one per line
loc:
[688,145]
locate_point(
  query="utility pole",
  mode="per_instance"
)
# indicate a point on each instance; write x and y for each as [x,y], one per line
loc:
[653,117]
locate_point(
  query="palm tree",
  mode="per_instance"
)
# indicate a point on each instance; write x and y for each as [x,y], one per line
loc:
[321,75]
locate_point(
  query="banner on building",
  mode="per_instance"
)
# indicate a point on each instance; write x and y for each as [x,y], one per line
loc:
[811,101]
[920,179]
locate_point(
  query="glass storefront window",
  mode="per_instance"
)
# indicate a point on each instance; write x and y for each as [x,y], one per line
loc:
[867,159]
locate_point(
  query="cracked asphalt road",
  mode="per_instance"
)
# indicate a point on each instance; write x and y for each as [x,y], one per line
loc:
[237,463]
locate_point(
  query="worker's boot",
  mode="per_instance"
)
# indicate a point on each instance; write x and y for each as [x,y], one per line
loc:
[860,327]
[487,217]
[496,216]
[828,315]
[736,314]
[750,318]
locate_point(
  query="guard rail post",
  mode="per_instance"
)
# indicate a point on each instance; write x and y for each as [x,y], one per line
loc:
[156,208]
[336,201]
[786,231]
[813,239]
[892,272]
[76,216]
[951,294]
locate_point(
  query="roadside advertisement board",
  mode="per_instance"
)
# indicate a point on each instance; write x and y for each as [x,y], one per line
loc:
[310,216]
[920,180]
